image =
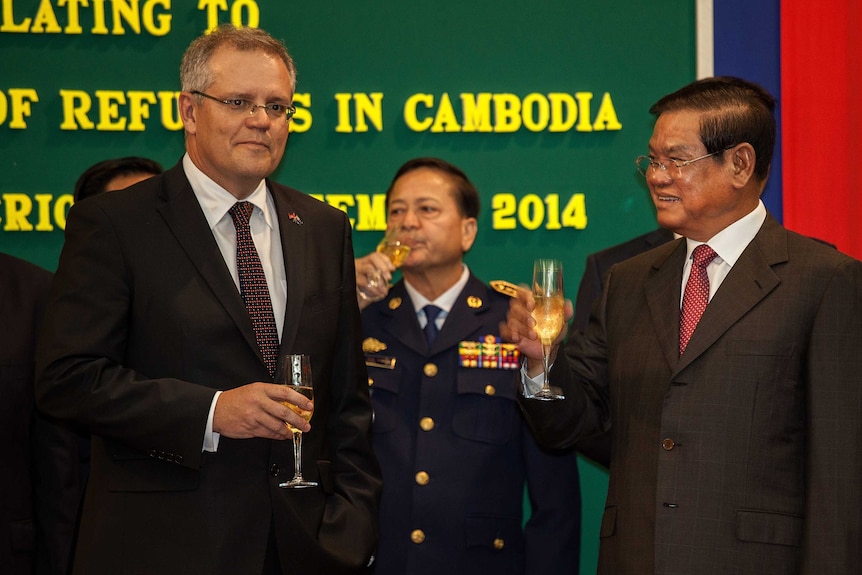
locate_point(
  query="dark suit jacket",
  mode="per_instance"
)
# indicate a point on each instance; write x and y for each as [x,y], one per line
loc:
[39,488]
[598,266]
[741,456]
[463,428]
[145,324]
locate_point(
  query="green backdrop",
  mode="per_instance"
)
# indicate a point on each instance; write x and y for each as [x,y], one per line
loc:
[543,104]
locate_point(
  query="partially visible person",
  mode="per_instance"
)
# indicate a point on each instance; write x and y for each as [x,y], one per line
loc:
[725,364]
[599,264]
[39,487]
[455,452]
[171,305]
[114,174]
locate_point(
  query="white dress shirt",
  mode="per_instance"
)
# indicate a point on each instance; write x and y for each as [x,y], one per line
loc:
[215,202]
[444,302]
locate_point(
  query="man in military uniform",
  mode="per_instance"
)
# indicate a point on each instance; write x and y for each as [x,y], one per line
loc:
[453,447]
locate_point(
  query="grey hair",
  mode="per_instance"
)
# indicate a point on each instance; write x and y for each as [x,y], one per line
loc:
[195,72]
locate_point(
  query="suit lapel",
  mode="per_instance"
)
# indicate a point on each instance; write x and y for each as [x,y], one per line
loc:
[183,215]
[662,290]
[293,245]
[749,281]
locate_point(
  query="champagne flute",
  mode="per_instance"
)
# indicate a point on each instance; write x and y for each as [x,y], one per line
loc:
[549,315]
[296,369]
[394,249]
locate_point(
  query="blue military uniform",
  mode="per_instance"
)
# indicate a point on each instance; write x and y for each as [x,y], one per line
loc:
[456,453]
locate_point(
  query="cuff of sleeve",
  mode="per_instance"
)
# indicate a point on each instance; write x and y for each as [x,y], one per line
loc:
[211,437]
[530,385]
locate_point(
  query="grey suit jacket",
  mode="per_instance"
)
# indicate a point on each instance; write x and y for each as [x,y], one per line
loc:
[741,456]
[144,325]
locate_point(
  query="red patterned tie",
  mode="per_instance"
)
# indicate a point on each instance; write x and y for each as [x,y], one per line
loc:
[696,294]
[252,286]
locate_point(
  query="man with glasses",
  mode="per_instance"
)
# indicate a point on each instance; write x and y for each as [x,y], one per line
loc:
[170,307]
[726,365]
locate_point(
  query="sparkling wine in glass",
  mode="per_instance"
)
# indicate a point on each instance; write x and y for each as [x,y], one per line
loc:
[549,315]
[297,376]
[392,247]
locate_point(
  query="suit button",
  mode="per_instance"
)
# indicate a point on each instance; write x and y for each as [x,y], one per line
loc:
[273,470]
[426,423]
[490,390]
[430,369]
[422,478]
[417,536]
[499,544]
[667,444]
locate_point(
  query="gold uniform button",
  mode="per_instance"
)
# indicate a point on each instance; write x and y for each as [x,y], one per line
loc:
[430,370]
[499,544]
[426,424]
[490,390]
[422,478]
[417,536]
[370,382]
[667,444]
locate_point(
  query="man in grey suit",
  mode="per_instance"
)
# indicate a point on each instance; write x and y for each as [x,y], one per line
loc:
[157,341]
[737,450]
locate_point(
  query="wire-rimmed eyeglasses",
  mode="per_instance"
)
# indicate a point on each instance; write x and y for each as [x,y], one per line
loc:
[274,110]
[647,163]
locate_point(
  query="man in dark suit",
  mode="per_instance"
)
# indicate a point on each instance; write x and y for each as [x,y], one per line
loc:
[455,452]
[735,446]
[39,487]
[160,342]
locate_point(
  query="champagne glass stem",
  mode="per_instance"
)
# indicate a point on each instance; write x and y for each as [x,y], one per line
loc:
[546,351]
[297,455]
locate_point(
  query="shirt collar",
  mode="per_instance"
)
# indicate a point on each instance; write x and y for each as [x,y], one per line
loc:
[730,242]
[446,300]
[215,201]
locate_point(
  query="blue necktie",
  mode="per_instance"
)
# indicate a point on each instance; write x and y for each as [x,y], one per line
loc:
[431,312]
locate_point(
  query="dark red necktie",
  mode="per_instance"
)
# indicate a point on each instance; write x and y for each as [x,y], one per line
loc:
[696,294]
[252,286]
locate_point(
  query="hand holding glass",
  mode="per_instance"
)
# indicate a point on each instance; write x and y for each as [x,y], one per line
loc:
[296,370]
[394,249]
[549,315]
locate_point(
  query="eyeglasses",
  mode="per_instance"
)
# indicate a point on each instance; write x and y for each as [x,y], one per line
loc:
[647,163]
[274,110]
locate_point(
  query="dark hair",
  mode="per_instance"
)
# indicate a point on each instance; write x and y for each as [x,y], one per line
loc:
[95,178]
[733,111]
[466,195]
